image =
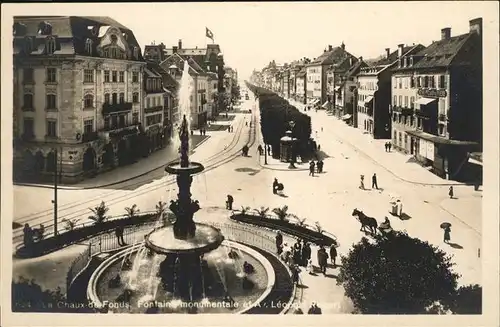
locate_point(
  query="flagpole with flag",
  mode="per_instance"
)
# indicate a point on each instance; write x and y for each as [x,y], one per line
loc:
[209,34]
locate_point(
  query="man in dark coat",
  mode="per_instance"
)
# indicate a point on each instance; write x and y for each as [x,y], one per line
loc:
[333,254]
[311,168]
[119,235]
[229,202]
[279,242]
[275,186]
[306,254]
[322,259]
[374,181]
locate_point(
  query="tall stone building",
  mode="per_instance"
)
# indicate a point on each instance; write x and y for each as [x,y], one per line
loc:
[77,93]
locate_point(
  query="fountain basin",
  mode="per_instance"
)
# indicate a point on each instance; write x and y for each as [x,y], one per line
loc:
[264,278]
[175,168]
[206,239]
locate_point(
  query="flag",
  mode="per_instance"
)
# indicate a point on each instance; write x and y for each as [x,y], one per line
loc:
[209,34]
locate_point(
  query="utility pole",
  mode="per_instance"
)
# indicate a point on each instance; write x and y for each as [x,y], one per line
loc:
[56,176]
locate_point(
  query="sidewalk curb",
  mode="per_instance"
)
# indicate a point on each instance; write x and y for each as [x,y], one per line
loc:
[281,169]
[70,188]
[356,148]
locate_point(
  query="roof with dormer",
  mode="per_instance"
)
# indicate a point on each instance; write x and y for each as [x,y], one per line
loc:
[446,52]
[70,33]
[178,60]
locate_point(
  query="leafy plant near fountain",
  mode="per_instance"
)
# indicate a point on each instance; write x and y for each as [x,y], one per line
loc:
[99,213]
[281,212]
[244,210]
[318,227]
[132,211]
[70,224]
[296,228]
[262,211]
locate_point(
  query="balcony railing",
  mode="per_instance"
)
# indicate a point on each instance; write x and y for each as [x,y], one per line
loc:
[153,109]
[117,127]
[89,136]
[108,108]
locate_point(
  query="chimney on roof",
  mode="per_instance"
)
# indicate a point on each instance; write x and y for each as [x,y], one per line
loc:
[476,26]
[174,49]
[330,47]
[445,33]
[361,58]
[387,53]
[342,45]
[400,50]
[180,44]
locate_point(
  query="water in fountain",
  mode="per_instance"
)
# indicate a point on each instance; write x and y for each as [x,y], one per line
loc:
[184,96]
[134,272]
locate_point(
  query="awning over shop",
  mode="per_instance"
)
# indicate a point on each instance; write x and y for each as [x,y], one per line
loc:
[425,101]
[438,139]
[368,100]
[346,117]
[325,105]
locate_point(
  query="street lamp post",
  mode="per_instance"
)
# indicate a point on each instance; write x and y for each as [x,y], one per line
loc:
[57,175]
[292,148]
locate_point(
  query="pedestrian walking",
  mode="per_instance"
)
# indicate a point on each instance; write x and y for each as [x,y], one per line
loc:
[268,150]
[386,146]
[275,186]
[450,192]
[320,166]
[362,182]
[259,148]
[306,253]
[374,181]
[322,259]
[322,129]
[333,254]
[447,232]
[27,235]
[229,202]
[295,274]
[119,235]
[246,123]
[390,146]
[312,165]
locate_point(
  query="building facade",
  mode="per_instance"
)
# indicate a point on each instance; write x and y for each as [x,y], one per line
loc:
[208,59]
[301,88]
[437,102]
[372,113]
[346,92]
[317,72]
[78,93]
[154,108]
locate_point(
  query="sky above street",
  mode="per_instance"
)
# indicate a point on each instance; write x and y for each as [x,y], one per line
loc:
[251,34]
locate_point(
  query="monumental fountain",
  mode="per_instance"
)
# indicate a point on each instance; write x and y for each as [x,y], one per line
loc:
[182,264]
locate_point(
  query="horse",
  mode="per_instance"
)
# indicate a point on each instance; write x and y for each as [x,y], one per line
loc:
[366,221]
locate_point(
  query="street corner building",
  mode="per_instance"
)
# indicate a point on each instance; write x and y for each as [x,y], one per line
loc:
[437,104]
[79,89]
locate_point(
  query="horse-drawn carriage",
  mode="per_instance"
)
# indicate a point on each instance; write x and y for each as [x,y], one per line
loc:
[371,224]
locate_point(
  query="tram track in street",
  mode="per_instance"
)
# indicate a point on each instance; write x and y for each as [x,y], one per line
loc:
[217,162]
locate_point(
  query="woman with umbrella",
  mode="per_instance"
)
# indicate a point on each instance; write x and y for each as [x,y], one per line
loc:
[447,230]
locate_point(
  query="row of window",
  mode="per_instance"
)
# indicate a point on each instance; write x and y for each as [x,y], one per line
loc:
[50,102]
[29,127]
[154,102]
[153,84]
[88,76]
[154,119]
[50,75]
[115,98]
[409,102]
[429,81]
[415,123]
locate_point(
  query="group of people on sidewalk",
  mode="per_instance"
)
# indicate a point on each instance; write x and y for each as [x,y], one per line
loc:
[260,149]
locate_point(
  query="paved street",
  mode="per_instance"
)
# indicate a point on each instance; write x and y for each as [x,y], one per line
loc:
[328,199]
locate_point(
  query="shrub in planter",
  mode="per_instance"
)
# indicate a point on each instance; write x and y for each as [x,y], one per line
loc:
[396,275]
[262,212]
[99,213]
[69,237]
[285,226]
[281,213]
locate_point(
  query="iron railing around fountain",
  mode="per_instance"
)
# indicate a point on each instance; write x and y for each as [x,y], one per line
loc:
[108,242]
